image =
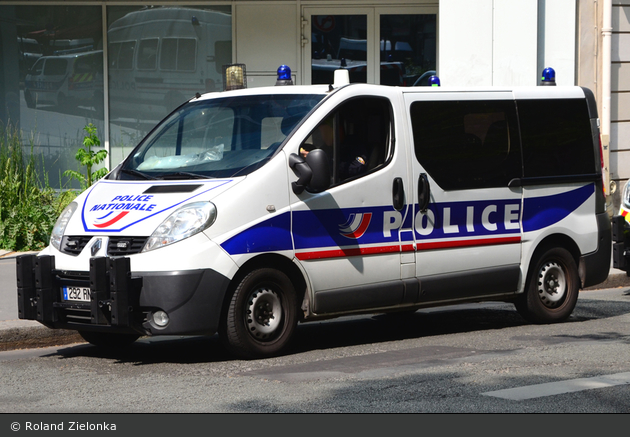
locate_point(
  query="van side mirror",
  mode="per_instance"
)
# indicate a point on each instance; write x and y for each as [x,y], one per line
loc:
[302,171]
[313,172]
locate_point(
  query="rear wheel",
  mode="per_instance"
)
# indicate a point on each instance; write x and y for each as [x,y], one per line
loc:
[552,288]
[108,340]
[262,315]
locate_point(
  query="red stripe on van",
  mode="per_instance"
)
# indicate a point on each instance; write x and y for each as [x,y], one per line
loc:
[357,251]
[352,251]
[468,243]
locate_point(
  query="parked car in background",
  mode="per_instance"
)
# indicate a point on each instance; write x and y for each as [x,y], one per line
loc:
[66,80]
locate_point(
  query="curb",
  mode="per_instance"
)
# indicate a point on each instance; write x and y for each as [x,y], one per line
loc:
[7,254]
[29,334]
[616,278]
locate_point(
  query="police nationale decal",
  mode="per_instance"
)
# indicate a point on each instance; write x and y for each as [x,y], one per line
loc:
[115,206]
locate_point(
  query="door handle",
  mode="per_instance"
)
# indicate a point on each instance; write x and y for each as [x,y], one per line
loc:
[424,192]
[398,194]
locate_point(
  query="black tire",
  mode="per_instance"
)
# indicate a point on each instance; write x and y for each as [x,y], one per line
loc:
[108,340]
[262,315]
[552,288]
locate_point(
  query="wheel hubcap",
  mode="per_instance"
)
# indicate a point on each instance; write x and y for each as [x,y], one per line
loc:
[552,284]
[264,313]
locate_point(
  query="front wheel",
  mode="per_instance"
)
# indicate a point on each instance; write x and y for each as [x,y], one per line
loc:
[552,288]
[262,315]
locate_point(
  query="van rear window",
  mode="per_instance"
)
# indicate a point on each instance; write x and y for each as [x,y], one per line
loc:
[467,144]
[556,137]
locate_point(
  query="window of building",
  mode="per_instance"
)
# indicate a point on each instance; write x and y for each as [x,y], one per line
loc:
[44,50]
[400,50]
[159,57]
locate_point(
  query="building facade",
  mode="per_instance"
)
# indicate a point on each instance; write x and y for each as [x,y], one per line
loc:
[123,65]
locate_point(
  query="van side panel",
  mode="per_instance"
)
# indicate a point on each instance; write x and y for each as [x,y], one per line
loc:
[466,151]
[561,158]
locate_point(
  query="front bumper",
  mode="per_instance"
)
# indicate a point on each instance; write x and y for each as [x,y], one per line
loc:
[120,301]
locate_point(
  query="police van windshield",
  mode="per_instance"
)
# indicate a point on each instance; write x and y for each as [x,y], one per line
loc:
[218,138]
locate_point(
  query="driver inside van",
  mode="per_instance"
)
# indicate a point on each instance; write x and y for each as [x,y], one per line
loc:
[352,157]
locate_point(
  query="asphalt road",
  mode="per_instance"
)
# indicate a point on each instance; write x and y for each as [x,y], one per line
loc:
[477,358]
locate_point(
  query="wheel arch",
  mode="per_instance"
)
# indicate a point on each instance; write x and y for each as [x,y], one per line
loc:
[268,260]
[551,241]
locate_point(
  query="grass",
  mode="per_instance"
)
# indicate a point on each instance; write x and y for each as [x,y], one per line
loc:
[29,207]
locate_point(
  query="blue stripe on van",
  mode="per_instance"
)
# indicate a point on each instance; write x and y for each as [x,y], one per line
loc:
[541,212]
[329,228]
[271,235]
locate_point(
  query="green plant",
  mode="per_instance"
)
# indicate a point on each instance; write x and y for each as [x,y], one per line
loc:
[28,205]
[89,158]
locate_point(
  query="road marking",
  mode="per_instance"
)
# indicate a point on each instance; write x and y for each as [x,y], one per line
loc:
[560,387]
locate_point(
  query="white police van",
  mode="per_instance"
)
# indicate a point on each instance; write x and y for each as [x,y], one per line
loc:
[248,211]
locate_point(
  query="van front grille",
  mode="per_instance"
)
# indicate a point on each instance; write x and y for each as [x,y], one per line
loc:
[117,246]
[121,246]
[74,245]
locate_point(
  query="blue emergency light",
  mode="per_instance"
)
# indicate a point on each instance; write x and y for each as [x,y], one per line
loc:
[284,75]
[434,81]
[548,76]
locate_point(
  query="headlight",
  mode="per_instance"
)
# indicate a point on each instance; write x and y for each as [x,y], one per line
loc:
[60,226]
[184,222]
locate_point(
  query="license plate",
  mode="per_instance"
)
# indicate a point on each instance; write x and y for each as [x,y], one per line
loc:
[81,294]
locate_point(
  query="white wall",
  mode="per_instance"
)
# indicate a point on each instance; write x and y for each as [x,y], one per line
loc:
[514,48]
[557,39]
[506,42]
[465,42]
[265,38]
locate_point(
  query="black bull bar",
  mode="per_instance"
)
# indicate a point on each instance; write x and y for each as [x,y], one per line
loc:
[114,294]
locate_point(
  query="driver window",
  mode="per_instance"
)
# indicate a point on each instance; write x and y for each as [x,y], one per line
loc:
[355,137]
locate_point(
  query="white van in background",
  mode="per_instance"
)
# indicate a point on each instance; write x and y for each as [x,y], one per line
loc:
[245,212]
[159,58]
[66,81]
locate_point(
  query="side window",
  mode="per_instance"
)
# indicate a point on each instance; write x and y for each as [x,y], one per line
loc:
[355,137]
[38,67]
[186,54]
[147,54]
[178,54]
[125,55]
[467,144]
[168,54]
[557,138]
[114,51]
[55,67]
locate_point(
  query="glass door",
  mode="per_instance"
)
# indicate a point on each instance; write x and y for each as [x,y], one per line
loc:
[408,47]
[338,37]
[390,46]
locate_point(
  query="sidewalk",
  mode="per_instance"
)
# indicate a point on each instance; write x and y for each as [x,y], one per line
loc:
[19,334]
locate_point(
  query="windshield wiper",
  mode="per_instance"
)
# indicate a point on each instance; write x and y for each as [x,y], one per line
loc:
[184,175]
[137,173]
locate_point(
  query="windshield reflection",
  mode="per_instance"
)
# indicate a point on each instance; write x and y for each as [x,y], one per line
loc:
[218,138]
